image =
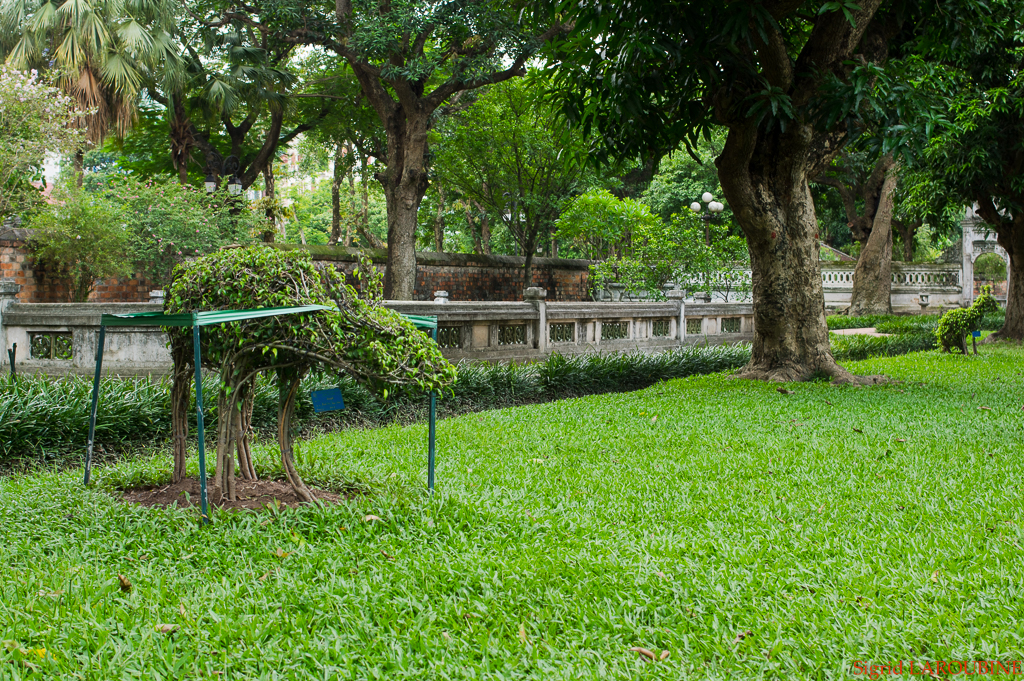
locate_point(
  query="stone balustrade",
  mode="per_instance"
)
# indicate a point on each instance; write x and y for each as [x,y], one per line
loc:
[916,288]
[60,338]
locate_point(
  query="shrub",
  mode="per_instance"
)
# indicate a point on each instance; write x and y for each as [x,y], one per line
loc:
[172,222]
[857,347]
[35,118]
[954,326]
[906,323]
[79,238]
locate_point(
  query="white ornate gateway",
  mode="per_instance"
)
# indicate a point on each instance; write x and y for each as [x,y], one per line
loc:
[979,239]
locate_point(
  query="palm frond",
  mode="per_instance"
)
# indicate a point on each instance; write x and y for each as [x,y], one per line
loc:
[44,18]
[13,14]
[23,53]
[135,37]
[94,33]
[70,53]
[75,11]
[121,72]
[220,95]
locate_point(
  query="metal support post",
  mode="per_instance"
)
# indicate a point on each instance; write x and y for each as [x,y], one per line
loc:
[199,422]
[95,402]
[432,431]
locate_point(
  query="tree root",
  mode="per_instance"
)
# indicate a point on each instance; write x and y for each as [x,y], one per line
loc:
[999,336]
[791,372]
[179,420]
[243,416]
[286,407]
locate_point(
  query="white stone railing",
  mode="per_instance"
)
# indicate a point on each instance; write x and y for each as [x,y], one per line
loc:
[536,328]
[60,338]
[916,288]
[926,277]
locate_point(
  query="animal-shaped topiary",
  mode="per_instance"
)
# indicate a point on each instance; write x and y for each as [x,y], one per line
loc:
[360,337]
[956,324]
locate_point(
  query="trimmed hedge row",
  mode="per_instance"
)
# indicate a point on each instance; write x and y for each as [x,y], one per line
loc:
[911,333]
[43,416]
[891,323]
[46,416]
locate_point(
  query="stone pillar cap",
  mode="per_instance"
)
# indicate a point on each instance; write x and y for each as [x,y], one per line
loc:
[9,288]
[535,293]
[675,294]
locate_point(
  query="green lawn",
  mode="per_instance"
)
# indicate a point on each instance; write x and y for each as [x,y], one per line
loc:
[746,532]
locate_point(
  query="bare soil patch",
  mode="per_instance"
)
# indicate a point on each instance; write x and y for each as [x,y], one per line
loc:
[252,495]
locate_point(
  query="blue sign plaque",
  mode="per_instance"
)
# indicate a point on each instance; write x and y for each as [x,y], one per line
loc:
[327,400]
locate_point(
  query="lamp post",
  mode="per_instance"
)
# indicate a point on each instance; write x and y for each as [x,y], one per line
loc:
[711,214]
[229,167]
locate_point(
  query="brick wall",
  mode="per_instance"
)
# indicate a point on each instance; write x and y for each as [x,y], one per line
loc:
[16,265]
[464,276]
[471,277]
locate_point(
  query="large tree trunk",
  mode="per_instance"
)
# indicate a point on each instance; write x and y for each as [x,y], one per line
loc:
[765,178]
[872,280]
[1011,237]
[405,182]
[182,139]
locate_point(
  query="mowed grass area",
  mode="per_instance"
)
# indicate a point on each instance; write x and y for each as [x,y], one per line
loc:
[746,532]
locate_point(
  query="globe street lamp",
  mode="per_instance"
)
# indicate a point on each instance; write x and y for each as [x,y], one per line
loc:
[711,214]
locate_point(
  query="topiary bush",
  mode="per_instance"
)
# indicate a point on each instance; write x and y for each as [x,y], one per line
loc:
[954,326]
[359,338]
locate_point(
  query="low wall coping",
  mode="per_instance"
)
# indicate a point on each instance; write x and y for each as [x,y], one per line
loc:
[380,256]
[69,314]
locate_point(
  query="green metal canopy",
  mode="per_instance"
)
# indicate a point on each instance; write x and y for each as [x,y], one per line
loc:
[209,318]
[202,318]
[212,317]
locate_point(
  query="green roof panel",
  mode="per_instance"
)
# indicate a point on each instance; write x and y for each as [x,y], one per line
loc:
[212,317]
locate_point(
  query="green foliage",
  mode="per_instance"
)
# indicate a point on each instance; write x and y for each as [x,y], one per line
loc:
[975,158]
[677,252]
[171,222]
[677,518]
[915,323]
[360,338]
[990,267]
[35,119]
[41,414]
[80,238]
[313,213]
[681,180]
[505,153]
[600,226]
[954,326]
[858,347]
